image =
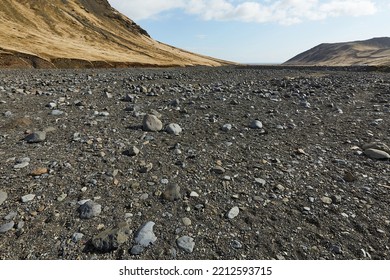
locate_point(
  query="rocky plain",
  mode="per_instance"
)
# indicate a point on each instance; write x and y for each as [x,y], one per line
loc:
[195,163]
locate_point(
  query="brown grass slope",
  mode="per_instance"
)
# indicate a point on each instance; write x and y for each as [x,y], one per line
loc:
[373,52]
[81,33]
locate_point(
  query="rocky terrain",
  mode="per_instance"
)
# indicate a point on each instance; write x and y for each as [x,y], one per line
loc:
[81,34]
[195,163]
[374,52]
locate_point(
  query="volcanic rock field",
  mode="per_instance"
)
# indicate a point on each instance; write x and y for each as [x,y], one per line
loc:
[195,163]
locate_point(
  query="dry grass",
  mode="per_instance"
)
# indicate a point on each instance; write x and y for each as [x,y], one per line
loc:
[92,32]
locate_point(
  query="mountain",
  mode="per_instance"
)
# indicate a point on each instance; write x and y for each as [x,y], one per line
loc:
[374,52]
[78,34]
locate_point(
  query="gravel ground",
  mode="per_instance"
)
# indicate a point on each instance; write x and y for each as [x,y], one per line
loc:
[195,163]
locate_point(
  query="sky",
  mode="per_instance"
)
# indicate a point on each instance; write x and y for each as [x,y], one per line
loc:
[257,31]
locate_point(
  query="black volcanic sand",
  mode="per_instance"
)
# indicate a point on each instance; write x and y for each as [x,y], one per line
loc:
[303,186]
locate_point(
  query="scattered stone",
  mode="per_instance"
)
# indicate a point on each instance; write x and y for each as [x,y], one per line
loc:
[226,127]
[336,199]
[236,244]
[145,235]
[186,243]
[172,192]
[89,209]
[11,215]
[6,227]
[36,137]
[326,200]
[376,154]
[145,167]
[378,146]
[256,124]
[28,197]
[260,181]
[22,163]
[349,177]
[133,151]
[233,212]
[77,236]
[151,123]
[186,221]
[111,239]
[173,128]
[39,171]
[62,197]
[3,197]
[218,169]
[56,112]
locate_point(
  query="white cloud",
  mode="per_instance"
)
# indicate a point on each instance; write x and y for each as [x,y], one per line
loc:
[285,12]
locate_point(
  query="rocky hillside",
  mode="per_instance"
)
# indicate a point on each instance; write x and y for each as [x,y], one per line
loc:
[374,52]
[80,33]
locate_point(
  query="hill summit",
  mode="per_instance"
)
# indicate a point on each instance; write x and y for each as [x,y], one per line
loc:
[373,52]
[79,34]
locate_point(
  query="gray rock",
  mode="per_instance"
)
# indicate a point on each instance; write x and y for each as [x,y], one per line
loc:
[378,146]
[3,197]
[56,112]
[186,221]
[111,239]
[260,181]
[151,123]
[233,212]
[137,249]
[173,128]
[145,235]
[376,154]
[89,210]
[6,227]
[256,124]
[226,127]
[36,137]
[22,162]
[218,169]
[77,236]
[28,197]
[326,200]
[172,192]
[11,215]
[186,243]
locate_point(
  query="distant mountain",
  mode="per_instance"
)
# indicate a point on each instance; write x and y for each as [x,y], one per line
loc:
[374,52]
[81,33]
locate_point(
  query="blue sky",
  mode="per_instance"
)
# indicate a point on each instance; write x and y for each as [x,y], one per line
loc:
[257,31]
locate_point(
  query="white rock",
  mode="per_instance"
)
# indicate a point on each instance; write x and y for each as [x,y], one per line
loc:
[233,212]
[186,243]
[28,197]
[173,128]
[145,235]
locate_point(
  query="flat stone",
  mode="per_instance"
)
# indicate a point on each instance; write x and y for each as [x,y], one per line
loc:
[3,197]
[89,210]
[260,181]
[186,243]
[39,171]
[56,112]
[151,123]
[378,146]
[173,128]
[145,235]
[28,197]
[36,137]
[21,165]
[233,212]
[218,169]
[376,154]
[6,227]
[111,239]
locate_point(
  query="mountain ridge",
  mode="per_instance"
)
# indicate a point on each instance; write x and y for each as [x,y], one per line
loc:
[81,33]
[372,52]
